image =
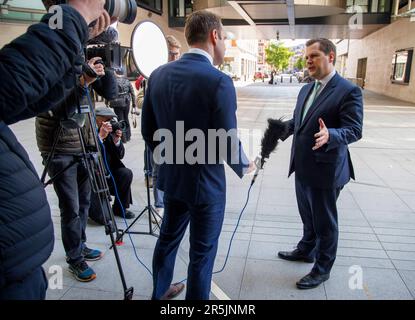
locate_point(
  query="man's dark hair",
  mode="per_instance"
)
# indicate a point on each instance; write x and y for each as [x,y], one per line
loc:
[325,45]
[199,25]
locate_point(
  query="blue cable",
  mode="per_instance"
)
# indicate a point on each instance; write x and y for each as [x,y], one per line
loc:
[233,234]
[115,186]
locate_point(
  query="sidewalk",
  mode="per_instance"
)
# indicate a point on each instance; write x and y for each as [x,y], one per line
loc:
[376,215]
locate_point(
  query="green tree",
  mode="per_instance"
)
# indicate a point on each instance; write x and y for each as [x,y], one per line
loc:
[278,56]
[300,63]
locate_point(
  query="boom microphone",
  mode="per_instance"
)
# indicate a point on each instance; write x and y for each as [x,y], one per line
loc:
[276,130]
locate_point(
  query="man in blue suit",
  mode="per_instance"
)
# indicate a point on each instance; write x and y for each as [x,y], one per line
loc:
[187,96]
[328,116]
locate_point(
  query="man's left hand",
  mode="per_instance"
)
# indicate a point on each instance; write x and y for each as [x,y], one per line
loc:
[117,136]
[322,137]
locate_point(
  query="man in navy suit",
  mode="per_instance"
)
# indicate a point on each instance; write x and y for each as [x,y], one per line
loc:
[328,116]
[191,97]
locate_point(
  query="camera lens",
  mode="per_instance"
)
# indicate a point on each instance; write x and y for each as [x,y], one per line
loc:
[124,10]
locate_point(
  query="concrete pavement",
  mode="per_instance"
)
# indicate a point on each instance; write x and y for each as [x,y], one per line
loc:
[376,215]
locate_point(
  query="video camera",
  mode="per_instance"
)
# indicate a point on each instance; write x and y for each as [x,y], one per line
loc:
[110,54]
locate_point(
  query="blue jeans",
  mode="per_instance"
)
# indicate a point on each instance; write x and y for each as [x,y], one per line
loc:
[205,227]
[74,193]
[157,193]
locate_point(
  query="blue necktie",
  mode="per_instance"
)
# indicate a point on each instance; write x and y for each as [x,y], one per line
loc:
[311,99]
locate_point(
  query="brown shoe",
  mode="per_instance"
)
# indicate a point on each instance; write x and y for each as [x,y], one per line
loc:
[174,290]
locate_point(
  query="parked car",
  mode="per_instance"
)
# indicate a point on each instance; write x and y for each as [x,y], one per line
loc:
[259,75]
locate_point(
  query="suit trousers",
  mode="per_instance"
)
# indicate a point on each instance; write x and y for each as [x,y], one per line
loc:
[318,213]
[205,227]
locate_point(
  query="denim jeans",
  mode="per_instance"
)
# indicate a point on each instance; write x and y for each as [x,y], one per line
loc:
[74,193]
[158,194]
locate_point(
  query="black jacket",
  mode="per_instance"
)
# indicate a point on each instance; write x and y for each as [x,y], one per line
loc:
[125,96]
[36,73]
[113,153]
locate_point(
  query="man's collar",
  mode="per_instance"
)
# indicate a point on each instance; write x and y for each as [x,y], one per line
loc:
[327,78]
[201,52]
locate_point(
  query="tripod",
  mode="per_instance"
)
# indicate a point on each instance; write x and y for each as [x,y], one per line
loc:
[91,158]
[152,213]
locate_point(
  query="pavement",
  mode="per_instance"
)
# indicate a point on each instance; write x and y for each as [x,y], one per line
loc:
[376,253]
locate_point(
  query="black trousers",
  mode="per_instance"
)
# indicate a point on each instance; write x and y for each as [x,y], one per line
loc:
[123,178]
[122,114]
[318,213]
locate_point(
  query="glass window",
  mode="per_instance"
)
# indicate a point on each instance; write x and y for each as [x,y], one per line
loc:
[152,5]
[401,66]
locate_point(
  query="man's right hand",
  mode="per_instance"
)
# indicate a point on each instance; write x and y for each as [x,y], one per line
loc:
[89,9]
[252,167]
[105,130]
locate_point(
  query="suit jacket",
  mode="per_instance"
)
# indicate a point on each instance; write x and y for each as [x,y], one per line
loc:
[192,91]
[340,106]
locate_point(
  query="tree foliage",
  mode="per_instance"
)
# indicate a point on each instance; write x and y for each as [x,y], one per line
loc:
[278,56]
[300,63]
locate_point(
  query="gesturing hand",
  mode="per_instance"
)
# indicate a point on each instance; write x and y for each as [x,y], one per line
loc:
[322,137]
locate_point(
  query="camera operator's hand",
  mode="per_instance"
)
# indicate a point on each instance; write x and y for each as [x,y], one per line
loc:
[90,10]
[98,68]
[102,23]
[117,136]
[105,130]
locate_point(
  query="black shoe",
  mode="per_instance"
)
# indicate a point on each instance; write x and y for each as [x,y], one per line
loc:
[295,255]
[128,214]
[312,280]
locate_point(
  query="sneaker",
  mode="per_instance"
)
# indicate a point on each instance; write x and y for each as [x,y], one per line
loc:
[91,254]
[159,217]
[82,272]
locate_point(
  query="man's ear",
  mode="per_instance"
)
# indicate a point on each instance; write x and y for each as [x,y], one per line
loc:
[332,56]
[214,36]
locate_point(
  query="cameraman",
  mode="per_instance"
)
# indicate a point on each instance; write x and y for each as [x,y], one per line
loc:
[114,152]
[71,182]
[38,62]
[72,185]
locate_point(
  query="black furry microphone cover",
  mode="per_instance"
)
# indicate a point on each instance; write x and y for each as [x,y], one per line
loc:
[276,130]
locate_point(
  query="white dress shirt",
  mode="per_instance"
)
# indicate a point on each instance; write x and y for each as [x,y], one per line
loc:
[201,52]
